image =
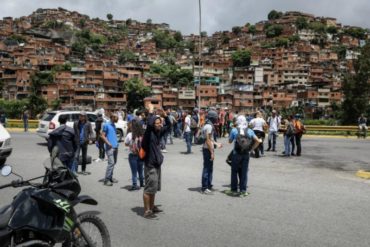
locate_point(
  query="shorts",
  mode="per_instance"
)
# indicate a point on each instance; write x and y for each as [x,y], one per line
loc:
[152,180]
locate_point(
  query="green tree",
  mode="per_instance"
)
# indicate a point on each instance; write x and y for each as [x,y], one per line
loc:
[236,30]
[332,30]
[149,21]
[301,23]
[127,56]
[282,42]
[274,31]
[164,40]
[341,51]
[82,23]
[136,91]
[128,22]
[203,34]
[356,32]
[356,88]
[252,29]
[317,27]
[110,17]
[241,58]
[273,15]
[178,36]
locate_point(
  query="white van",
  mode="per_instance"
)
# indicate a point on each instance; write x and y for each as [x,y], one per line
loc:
[49,122]
[5,145]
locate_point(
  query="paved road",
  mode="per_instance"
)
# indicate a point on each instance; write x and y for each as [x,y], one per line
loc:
[314,200]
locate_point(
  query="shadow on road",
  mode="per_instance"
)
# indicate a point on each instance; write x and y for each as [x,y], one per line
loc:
[44,144]
[138,210]
[196,189]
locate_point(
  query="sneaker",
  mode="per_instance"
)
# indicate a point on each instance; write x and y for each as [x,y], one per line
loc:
[231,193]
[97,160]
[114,180]
[149,215]
[164,151]
[108,183]
[156,210]
[133,188]
[244,194]
[268,150]
[85,173]
[207,192]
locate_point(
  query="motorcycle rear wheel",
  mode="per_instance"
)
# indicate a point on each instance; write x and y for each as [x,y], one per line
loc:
[96,222]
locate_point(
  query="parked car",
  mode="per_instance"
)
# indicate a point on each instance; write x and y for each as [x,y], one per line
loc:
[49,122]
[5,145]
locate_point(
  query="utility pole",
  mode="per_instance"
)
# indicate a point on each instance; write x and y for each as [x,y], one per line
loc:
[200,50]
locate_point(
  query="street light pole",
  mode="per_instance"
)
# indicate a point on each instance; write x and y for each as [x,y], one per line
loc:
[200,50]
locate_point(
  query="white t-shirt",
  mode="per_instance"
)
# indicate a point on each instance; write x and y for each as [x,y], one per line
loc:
[206,130]
[128,140]
[258,123]
[187,123]
[274,123]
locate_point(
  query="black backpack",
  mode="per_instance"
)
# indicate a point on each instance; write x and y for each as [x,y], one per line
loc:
[243,143]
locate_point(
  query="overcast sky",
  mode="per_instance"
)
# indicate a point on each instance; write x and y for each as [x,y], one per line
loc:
[183,14]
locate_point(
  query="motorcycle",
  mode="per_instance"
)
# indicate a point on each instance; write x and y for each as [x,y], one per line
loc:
[43,213]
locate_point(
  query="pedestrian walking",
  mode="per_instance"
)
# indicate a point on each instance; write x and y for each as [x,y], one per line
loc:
[209,152]
[274,125]
[100,143]
[245,140]
[25,118]
[64,138]
[134,141]
[83,133]
[109,136]
[153,160]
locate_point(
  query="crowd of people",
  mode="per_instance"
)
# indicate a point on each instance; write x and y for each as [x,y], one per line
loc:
[149,132]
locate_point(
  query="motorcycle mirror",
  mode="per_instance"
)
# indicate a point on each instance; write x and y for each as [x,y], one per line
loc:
[6,171]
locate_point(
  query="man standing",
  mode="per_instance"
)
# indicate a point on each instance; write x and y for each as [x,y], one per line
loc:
[83,132]
[274,125]
[98,128]
[153,159]
[299,131]
[64,138]
[209,152]
[109,136]
[25,120]
[240,157]
[187,131]
[259,124]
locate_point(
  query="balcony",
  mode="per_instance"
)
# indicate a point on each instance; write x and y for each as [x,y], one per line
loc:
[85,89]
[84,97]
[111,99]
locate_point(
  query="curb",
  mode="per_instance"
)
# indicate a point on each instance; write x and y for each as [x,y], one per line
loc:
[20,130]
[363,174]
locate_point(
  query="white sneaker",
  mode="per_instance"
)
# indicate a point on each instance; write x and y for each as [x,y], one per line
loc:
[97,160]
[164,151]
[207,192]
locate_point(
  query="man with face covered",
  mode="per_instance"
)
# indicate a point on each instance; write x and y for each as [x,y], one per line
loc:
[155,130]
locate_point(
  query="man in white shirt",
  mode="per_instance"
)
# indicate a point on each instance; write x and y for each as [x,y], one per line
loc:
[187,132]
[258,124]
[274,125]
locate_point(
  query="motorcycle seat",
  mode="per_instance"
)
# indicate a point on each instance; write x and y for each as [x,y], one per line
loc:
[5,215]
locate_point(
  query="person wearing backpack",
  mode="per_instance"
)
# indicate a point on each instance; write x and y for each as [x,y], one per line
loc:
[133,140]
[245,140]
[64,138]
[288,135]
[194,125]
[259,124]
[209,152]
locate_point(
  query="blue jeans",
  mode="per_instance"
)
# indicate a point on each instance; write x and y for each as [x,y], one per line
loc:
[69,164]
[287,145]
[207,174]
[112,160]
[272,137]
[136,166]
[187,136]
[239,169]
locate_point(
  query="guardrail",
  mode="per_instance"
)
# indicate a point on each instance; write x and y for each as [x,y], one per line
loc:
[18,123]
